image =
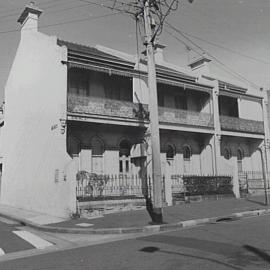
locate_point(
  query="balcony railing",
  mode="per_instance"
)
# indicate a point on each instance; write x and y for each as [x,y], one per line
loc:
[107,107]
[241,125]
[132,111]
[184,117]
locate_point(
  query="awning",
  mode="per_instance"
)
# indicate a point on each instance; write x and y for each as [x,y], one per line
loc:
[241,96]
[104,69]
[137,74]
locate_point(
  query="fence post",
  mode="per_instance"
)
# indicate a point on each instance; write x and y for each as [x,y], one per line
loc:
[236,182]
[247,183]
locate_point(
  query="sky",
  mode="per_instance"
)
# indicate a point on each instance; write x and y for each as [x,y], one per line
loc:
[234,33]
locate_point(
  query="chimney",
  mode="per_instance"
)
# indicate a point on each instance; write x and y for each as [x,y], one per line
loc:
[29,17]
[159,56]
[200,65]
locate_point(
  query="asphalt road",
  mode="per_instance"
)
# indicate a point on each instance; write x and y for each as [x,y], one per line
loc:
[9,241]
[242,244]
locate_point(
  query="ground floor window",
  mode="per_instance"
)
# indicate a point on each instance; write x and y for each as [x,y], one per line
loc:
[227,153]
[240,160]
[170,153]
[187,158]
[124,156]
[97,155]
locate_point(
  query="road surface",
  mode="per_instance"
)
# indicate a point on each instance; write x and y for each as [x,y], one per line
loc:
[241,244]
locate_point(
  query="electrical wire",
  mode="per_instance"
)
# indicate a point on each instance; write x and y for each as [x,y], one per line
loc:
[228,69]
[18,9]
[106,6]
[65,22]
[41,6]
[188,47]
[158,31]
[227,49]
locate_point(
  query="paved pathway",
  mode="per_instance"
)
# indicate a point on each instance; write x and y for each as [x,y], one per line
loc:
[173,214]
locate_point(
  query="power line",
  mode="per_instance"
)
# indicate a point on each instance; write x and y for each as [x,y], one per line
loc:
[18,9]
[65,22]
[227,49]
[228,69]
[106,6]
[41,5]
[184,43]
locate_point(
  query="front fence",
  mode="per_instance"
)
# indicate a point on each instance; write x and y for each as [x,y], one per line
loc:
[192,185]
[105,187]
[252,181]
[112,187]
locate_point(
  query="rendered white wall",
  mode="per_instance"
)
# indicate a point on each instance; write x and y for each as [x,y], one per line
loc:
[34,148]
[250,110]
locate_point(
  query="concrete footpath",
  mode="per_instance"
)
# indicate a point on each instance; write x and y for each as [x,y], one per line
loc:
[184,215]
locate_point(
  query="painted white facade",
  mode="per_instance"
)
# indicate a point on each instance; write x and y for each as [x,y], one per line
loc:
[42,152]
[35,171]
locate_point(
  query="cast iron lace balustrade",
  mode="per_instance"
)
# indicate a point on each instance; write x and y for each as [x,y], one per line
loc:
[134,111]
[185,117]
[241,125]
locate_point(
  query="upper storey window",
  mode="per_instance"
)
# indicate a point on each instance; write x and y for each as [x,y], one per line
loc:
[78,82]
[228,106]
[181,100]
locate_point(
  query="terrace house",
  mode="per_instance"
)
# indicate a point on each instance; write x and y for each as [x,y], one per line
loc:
[71,108]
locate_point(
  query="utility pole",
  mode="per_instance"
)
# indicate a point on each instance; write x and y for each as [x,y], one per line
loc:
[154,124]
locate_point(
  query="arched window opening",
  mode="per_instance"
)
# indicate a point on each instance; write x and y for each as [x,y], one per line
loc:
[170,164]
[240,160]
[170,152]
[124,156]
[187,158]
[227,153]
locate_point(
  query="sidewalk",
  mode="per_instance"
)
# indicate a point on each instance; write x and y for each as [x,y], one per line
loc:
[139,221]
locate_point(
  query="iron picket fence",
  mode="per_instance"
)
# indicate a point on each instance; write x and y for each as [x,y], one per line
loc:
[252,181]
[106,187]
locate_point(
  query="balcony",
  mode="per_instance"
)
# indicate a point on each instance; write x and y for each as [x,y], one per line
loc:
[128,111]
[102,107]
[184,117]
[241,125]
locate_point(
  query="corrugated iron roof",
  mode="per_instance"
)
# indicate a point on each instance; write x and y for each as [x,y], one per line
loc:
[91,51]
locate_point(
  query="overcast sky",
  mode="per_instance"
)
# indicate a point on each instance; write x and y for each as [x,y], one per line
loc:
[234,32]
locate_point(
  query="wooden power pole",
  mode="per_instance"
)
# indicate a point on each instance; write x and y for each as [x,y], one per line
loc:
[154,123]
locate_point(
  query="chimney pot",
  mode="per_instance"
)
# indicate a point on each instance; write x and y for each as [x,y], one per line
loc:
[29,10]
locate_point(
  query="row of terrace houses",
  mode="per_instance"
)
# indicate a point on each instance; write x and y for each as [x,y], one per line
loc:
[72,108]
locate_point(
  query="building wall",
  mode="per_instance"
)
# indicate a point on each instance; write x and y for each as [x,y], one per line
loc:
[249,147]
[36,165]
[251,110]
[81,136]
[178,141]
[80,139]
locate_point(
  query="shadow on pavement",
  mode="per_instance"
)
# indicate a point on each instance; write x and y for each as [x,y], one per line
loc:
[237,255]
[256,202]
[152,249]
[258,252]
